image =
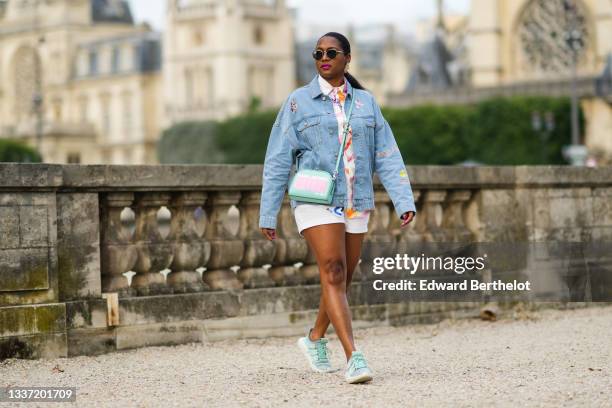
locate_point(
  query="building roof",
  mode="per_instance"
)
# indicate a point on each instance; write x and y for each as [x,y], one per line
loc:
[367,42]
[431,71]
[147,47]
[111,11]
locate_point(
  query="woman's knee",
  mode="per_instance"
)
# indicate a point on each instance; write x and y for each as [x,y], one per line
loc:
[334,272]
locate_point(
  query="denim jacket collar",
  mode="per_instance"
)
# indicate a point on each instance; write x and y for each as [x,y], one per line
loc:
[315,89]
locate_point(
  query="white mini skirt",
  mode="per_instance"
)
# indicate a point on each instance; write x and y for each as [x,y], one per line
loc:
[309,215]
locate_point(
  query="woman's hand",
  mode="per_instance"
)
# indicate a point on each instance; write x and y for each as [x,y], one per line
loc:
[407,217]
[269,233]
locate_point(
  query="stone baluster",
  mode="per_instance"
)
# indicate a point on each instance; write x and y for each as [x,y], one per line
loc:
[409,238]
[454,221]
[378,241]
[435,243]
[424,235]
[309,271]
[291,248]
[190,251]
[459,239]
[433,213]
[258,251]
[117,252]
[226,249]
[154,253]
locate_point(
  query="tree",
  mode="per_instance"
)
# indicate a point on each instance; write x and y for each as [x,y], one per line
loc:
[17,152]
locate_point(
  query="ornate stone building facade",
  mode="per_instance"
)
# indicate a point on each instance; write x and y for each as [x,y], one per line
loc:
[526,40]
[84,84]
[79,80]
[223,55]
[515,40]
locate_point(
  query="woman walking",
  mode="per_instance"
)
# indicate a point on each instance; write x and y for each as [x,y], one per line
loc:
[310,129]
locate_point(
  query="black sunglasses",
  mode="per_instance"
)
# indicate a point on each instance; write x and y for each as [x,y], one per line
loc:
[331,53]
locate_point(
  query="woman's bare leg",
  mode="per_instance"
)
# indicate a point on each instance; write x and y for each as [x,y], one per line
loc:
[353,245]
[330,244]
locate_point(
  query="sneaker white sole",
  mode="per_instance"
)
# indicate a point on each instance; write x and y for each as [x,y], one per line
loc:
[302,345]
[359,378]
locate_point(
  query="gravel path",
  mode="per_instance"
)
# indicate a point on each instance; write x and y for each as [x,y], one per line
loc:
[548,358]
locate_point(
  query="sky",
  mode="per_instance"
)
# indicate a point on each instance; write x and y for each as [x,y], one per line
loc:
[402,13]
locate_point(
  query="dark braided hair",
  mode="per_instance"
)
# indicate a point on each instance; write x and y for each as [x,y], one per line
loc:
[346,48]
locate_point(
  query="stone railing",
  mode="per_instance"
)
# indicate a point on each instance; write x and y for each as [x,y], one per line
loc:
[99,258]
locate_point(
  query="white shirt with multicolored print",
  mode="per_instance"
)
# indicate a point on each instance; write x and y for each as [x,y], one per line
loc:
[338,96]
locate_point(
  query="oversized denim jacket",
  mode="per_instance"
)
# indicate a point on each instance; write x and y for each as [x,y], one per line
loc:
[305,134]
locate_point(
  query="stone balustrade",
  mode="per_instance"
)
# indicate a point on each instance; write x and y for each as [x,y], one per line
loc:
[181,247]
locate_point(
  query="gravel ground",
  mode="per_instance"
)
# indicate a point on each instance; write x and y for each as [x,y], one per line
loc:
[548,358]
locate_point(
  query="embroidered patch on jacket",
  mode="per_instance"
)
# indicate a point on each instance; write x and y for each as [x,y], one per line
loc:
[404,177]
[386,153]
[293,106]
[358,104]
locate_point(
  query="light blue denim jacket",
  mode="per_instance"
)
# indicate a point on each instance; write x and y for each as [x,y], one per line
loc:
[306,128]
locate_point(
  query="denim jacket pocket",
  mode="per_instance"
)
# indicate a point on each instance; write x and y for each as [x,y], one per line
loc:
[309,130]
[370,128]
[363,129]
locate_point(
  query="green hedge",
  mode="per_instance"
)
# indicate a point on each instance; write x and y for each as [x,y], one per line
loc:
[12,151]
[496,132]
[244,139]
[190,143]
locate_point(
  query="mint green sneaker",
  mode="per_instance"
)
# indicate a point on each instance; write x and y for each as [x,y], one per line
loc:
[357,370]
[316,352]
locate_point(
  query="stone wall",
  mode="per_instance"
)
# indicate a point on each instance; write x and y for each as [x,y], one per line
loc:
[82,247]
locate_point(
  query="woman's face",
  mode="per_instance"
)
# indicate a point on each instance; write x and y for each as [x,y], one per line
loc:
[331,68]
